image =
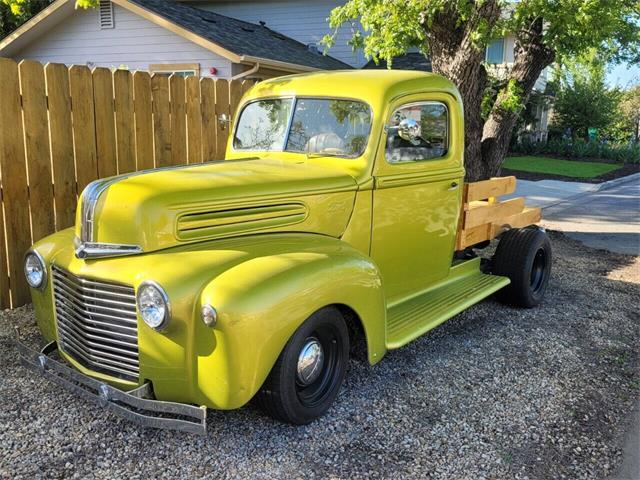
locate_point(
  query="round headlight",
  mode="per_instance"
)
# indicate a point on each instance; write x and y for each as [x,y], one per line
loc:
[35,270]
[153,305]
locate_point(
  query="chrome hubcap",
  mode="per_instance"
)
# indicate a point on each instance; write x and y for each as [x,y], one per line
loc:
[310,361]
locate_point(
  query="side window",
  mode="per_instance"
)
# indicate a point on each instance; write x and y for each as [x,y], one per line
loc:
[418,131]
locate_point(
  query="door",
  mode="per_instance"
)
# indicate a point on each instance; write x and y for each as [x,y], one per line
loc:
[417,194]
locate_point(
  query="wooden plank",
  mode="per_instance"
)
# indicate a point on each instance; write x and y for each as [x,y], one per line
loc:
[178,120]
[161,120]
[106,151]
[36,128]
[61,132]
[529,216]
[144,120]
[125,123]
[209,123]
[194,120]
[235,94]
[474,236]
[14,181]
[84,127]
[5,295]
[490,213]
[493,187]
[222,107]
[246,85]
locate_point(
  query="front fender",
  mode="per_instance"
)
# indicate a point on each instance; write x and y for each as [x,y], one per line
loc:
[262,301]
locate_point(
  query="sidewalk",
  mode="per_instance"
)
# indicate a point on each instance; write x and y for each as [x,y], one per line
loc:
[604,216]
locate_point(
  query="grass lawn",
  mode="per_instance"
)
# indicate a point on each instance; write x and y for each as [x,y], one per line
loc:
[555,166]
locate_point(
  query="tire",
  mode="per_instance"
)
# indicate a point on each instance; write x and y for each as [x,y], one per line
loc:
[524,256]
[299,397]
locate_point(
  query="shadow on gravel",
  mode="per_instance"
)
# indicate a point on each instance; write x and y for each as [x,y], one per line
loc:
[496,392]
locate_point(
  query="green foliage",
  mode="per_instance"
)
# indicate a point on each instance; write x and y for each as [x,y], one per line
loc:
[583,99]
[619,152]
[14,13]
[626,125]
[572,27]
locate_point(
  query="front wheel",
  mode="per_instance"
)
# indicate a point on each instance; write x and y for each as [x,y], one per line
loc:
[524,256]
[309,372]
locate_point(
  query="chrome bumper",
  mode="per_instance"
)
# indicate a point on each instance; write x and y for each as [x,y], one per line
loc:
[131,405]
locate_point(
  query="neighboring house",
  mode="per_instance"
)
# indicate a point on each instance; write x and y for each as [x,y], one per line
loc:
[499,58]
[160,36]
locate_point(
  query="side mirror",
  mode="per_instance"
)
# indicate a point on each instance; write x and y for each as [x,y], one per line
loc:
[410,130]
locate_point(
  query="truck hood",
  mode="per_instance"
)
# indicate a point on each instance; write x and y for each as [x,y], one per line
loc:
[149,211]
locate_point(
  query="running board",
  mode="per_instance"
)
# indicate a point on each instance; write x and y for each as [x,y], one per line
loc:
[464,287]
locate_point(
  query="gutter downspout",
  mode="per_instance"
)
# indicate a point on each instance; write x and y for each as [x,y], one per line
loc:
[252,70]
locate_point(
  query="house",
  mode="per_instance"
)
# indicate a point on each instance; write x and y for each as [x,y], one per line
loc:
[161,36]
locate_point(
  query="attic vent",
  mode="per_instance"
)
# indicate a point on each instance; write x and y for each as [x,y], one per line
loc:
[105,14]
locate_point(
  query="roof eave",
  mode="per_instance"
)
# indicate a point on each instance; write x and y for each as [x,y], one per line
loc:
[52,13]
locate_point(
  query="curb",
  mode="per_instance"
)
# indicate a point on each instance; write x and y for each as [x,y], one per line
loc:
[596,188]
[617,181]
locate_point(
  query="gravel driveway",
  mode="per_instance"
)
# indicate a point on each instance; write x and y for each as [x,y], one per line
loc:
[496,392]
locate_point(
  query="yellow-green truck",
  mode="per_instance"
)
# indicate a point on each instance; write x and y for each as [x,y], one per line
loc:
[332,226]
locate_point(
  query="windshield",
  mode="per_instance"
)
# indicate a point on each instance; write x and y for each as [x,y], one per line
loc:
[318,126]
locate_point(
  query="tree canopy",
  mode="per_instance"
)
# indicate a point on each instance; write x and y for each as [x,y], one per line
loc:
[583,99]
[455,34]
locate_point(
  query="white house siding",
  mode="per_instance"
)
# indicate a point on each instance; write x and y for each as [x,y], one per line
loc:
[134,43]
[305,21]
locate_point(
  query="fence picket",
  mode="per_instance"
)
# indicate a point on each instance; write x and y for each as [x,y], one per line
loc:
[106,139]
[84,127]
[125,129]
[60,129]
[161,120]
[144,120]
[14,180]
[222,107]
[36,129]
[208,107]
[194,120]
[178,120]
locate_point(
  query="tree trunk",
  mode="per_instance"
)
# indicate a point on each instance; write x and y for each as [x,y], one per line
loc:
[456,56]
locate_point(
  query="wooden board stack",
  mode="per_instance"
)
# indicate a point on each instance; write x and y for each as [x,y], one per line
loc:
[484,217]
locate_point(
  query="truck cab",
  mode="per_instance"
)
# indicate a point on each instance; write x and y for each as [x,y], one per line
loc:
[333,221]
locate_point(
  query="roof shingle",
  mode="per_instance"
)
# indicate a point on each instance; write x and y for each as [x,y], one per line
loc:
[240,37]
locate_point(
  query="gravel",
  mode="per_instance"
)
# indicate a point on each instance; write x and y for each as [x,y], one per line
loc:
[496,392]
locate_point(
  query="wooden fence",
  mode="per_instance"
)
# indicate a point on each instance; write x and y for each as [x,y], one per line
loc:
[61,128]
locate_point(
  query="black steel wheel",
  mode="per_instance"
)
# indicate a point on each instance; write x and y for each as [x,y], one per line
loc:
[309,372]
[523,255]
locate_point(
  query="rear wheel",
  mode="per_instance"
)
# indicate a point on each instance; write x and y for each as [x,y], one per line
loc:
[309,372]
[524,256]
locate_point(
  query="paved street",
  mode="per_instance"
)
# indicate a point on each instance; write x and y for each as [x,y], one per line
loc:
[608,219]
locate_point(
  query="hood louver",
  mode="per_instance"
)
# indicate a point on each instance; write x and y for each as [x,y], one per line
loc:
[222,222]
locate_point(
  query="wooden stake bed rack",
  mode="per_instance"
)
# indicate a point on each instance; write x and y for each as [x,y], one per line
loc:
[483,217]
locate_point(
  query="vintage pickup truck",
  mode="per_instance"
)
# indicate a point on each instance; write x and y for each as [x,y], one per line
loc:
[338,223]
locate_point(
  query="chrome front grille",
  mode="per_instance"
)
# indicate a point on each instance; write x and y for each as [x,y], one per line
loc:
[97,323]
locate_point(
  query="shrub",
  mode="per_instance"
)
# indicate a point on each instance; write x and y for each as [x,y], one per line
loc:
[619,152]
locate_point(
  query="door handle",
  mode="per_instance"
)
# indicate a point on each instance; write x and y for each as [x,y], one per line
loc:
[453,186]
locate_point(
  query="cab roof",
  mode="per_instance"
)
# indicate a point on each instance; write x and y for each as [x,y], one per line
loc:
[375,87]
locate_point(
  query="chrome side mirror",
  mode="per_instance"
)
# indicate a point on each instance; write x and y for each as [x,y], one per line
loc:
[410,130]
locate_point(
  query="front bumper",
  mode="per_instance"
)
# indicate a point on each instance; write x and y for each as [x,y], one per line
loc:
[130,405]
